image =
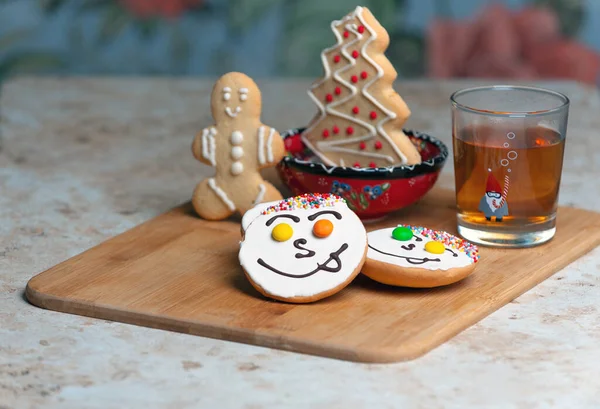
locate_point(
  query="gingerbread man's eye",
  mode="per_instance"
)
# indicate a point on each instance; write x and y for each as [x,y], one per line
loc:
[282,232]
[322,228]
[243,94]
[226,96]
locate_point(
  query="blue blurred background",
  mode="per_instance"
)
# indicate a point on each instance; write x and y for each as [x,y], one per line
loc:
[284,37]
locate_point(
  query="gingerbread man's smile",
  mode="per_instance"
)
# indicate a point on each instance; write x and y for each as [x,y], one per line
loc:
[233,113]
[227,96]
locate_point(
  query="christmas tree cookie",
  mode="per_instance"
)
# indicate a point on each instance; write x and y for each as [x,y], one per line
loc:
[360,117]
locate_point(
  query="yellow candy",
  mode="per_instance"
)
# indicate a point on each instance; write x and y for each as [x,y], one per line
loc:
[435,247]
[282,232]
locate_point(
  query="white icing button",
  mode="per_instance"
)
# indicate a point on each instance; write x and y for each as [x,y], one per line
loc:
[236,137]
[237,152]
[237,168]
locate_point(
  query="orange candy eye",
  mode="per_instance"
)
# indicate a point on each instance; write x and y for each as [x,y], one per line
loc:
[322,228]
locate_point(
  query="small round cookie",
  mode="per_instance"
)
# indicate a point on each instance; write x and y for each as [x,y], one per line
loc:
[302,249]
[414,256]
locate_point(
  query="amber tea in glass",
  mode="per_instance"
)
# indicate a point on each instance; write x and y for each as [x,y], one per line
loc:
[508,144]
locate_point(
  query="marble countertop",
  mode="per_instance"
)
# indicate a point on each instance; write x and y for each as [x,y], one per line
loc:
[82,160]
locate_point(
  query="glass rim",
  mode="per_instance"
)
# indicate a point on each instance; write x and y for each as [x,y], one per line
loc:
[565,100]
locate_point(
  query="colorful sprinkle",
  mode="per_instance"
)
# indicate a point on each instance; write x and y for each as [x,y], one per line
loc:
[305,201]
[447,240]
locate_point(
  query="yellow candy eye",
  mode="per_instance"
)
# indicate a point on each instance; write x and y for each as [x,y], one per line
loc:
[434,247]
[282,232]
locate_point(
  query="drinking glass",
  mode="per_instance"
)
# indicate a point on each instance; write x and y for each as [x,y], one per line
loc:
[508,144]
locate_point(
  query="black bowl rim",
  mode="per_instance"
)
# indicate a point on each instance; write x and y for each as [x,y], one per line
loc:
[392,172]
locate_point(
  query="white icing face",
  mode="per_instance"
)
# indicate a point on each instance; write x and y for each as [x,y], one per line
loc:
[232,112]
[411,253]
[303,264]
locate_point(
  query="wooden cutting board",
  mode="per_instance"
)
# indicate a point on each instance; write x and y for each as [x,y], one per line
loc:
[180,273]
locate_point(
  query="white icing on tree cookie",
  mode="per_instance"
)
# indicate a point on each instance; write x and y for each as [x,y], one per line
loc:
[358,132]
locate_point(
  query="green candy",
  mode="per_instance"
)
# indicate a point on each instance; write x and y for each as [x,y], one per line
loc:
[402,233]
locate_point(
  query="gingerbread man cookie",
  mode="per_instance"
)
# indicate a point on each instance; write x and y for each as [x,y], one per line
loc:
[360,118]
[238,145]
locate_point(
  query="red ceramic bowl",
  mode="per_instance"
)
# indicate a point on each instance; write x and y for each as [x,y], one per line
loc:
[371,192]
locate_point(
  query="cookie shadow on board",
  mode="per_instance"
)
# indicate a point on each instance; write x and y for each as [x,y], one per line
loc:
[371,285]
[241,283]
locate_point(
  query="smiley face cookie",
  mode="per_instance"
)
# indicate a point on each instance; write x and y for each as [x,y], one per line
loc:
[302,249]
[238,146]
[413,256]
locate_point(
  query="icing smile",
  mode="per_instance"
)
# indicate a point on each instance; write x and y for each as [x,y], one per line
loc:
[233,113]
[411,260]
[333,258]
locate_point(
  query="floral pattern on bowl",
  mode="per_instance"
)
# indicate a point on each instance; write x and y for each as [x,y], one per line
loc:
[371,192]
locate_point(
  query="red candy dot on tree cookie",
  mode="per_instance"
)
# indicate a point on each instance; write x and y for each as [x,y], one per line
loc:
[364,75]
[373,115]
[378,145]
[372,165]
[293,144]
[355,110]
[338,90]
[361,29]
[349,130]
[355,54]
[356,165]
[346,34]
[325,133]
[329,97]
[336,58]
[354,78]
[335,129]
[362,146]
